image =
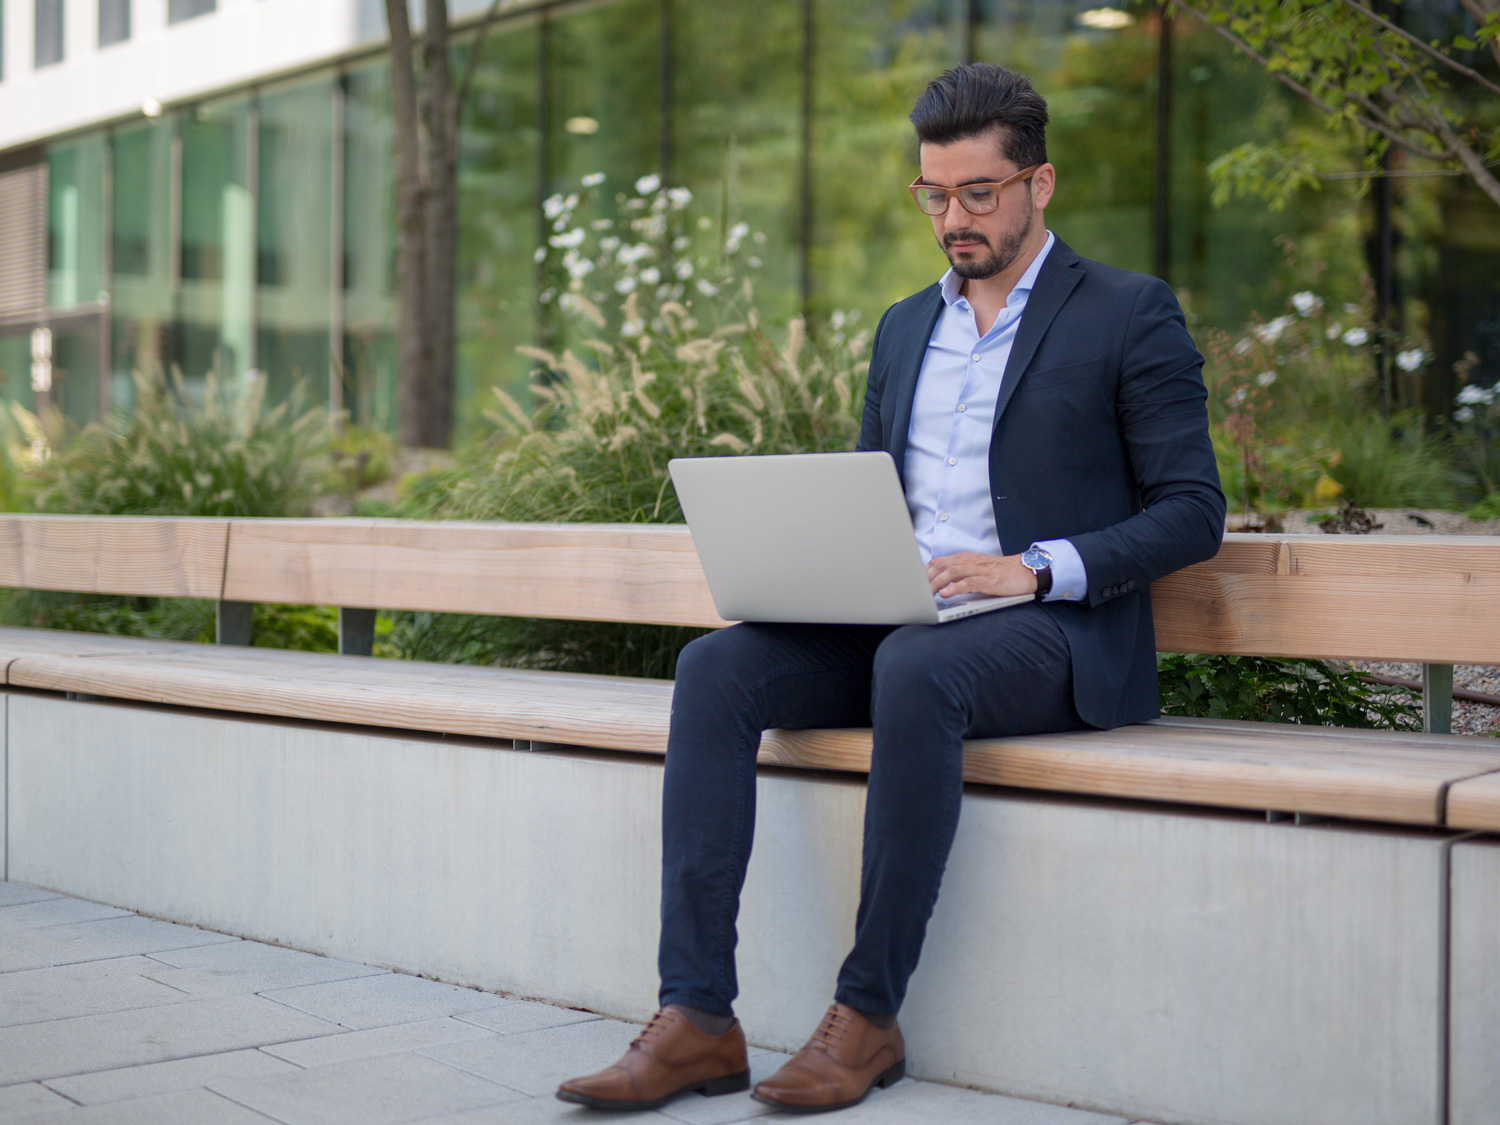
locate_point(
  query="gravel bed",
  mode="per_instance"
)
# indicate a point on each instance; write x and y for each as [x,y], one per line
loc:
[1468,718]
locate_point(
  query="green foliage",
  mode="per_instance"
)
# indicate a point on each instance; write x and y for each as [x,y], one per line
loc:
[1486,509]
[1264,689]
[1392,463]
[173,619]
[363,456]
[1378,86]
[228,456]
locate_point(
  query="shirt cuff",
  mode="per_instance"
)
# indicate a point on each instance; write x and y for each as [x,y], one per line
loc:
[1070,582]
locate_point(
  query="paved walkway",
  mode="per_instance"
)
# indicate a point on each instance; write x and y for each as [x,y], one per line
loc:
[109,1017]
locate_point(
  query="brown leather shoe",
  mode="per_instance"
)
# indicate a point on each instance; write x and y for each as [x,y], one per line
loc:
[669,1057]
[844,1058]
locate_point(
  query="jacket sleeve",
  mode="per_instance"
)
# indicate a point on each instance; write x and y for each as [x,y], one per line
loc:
[1161,408]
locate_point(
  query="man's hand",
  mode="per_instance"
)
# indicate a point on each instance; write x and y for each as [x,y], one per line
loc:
[995,576]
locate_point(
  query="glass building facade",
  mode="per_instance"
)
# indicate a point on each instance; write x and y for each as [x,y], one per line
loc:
[252,234]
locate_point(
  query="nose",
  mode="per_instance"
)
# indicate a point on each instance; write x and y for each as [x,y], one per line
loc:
[956,217]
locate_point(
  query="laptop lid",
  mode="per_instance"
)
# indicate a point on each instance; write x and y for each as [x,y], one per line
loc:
[806,537]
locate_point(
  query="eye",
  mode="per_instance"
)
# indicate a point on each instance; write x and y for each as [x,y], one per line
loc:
[979,195]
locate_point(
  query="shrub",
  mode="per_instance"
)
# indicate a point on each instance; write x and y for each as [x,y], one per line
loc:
[670,359]
[228,456]
[1391,463]
[1313,692]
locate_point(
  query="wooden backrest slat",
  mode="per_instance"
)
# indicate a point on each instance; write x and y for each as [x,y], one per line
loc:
[643,573]
[1421,598]
[147,556]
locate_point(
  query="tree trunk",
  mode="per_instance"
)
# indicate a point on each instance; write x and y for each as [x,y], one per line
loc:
[440,206]
[413,356]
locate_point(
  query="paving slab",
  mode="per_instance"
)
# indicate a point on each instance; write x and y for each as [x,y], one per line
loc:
[389,998]
[32,1097]
[380,1091]
[14,960]
[110,937]
[695,1109]
[189,1107]
[392,1040]
[13,894]
[535,1062]
[166,1077]
[525,1015]
[237,968]
[53,912]
[85,1044]
[916,1103]
[543,1111]
[63,991]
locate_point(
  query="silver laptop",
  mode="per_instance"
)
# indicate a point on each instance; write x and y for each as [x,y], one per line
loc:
[811,537]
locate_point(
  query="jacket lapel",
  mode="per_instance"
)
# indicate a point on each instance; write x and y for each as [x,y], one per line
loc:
[1059,275]
[906,366]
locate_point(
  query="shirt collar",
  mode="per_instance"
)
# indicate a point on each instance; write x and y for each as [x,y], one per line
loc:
[952,283]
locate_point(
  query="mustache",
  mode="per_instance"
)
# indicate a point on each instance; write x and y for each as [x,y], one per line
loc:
[964,236]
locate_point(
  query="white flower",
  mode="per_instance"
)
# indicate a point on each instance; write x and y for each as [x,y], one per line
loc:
[1238,396]
[1356,336]
[578,267]
[681,243]
[680,197]
[553,206]
[650,275]
[561,222]
[683,269]
[568,241]
[1334,330]
[625,286]
[1351,308]
[735,236]
[1265,378]
[602,224]
[1473,396]
[593,179]
[1271,331]
[753,261]
[647,184]
[1306,303]
[609,244]
[707,288]
[837,320]
[630,254]
[1243,346]
[1411,359]
[1464,414]
[540,255]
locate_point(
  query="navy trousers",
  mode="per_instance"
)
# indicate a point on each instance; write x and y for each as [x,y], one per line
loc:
[924,689]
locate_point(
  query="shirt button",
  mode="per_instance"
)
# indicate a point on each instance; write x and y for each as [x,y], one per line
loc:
[943,517]
[962,408]
[953,460]
[976,359]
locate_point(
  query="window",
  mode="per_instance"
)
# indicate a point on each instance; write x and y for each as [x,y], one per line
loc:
[114,21]
[49,32]
[179,10]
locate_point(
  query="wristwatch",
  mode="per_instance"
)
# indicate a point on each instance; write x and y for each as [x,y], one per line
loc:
[1038,560]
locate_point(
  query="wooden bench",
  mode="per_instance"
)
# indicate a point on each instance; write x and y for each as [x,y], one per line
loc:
[1145,921]
[1308,596]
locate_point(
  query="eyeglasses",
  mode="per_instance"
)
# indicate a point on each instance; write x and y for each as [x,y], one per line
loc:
[977,199]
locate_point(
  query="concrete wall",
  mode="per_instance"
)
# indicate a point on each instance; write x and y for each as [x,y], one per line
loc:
[1149,962]
[1475,1017]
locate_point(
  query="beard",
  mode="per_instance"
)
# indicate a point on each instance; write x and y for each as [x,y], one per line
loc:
[976,267]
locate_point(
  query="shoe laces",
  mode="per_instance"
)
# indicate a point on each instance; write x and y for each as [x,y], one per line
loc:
[654,1027]
[831,1031]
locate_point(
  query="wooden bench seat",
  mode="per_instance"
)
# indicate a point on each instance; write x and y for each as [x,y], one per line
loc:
[1380,776]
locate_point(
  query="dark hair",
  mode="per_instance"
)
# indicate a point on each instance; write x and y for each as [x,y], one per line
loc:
[976,97]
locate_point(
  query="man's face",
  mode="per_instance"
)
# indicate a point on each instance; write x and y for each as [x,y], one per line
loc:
[980,246]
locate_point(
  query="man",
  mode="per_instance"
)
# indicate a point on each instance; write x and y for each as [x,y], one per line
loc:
[1046,414]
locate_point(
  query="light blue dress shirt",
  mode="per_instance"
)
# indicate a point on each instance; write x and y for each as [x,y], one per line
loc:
[947,471]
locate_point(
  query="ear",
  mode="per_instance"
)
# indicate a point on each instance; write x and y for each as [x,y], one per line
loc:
[1042,184]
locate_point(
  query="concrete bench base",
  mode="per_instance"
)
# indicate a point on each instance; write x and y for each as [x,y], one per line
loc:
[1145,960]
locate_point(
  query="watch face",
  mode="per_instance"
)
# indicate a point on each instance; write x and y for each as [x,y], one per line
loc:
[1036,558]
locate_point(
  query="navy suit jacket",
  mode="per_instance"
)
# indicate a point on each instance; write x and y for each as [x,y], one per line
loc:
[1101,437]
